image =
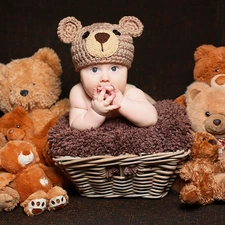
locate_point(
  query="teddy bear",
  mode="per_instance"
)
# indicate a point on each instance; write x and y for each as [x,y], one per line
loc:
[209,67]
[198,173]
[34,182]
[205,109]
[34,84]
[17,125]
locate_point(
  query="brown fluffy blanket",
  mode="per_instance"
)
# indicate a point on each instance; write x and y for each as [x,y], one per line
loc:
[118,136]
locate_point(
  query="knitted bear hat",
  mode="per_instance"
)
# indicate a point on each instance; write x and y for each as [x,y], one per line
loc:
[100,42]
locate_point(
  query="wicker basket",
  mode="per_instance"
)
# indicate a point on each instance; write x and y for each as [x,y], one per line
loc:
[154,175]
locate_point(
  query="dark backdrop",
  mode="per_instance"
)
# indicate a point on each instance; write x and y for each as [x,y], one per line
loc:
[163,63]
[163,67]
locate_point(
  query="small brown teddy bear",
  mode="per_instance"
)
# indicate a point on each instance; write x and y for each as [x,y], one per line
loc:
[17,125]
[34,182]
[209,67]
[198,173]
[34,84]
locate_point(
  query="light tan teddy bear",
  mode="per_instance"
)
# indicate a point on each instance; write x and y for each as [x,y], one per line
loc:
[34,84]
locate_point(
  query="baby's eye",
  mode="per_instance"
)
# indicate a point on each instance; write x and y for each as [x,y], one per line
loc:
[94,69]
[114,68]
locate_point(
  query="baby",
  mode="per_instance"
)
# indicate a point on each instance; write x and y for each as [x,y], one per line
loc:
[103,53]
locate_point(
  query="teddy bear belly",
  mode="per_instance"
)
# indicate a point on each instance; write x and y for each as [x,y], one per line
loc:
[31,180]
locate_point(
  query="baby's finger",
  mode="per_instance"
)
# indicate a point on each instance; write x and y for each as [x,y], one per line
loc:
[102,94]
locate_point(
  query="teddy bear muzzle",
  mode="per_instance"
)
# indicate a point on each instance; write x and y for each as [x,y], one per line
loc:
[218,80]
[215,124]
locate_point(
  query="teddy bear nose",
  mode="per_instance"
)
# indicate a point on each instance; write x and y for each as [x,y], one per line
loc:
[102,37]
[217,122]
[24,93]
[212,142]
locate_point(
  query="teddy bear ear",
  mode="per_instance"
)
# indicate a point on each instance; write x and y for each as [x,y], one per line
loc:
[48,56]
[19,110]
[202,51]
[132,24]
[193,90]
[67,29]
[2,71]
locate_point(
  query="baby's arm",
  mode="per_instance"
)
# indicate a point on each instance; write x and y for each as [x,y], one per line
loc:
[86,113]
[136,108]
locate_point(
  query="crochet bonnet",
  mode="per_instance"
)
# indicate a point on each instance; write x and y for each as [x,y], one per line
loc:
[100,42]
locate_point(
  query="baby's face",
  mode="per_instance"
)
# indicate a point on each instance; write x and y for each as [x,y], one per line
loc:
[102,75]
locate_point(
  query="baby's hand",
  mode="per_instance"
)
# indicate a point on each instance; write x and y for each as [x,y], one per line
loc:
[118,96]
[102,101]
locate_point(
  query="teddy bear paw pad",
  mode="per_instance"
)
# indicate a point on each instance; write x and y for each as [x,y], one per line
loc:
[37,206]
[57,203]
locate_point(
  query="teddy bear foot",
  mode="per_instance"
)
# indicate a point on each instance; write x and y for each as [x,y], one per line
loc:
[57,203]
[57,198]
[9,199]
[35,204]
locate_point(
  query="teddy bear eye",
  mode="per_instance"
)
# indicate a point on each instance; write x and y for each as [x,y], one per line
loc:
[33,84]
[216,70]
[86,34]
[116,32]
[207,114]
[17,126]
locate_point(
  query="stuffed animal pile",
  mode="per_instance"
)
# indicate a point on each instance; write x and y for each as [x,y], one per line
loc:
[29,92]
[209,67]
[34,182]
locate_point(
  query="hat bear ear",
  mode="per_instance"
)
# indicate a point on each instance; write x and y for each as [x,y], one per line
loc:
[67,29]
[132,24]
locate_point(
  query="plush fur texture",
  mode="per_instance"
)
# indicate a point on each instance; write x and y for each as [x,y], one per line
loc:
[118,136]
[205,108]
[209,67]
[35,183]
[34,84]
[203,174]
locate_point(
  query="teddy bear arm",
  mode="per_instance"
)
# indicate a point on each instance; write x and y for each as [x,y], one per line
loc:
[186,172]
[219,166]
[52,174]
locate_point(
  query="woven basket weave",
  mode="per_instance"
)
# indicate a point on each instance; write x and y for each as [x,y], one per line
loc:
[155,174]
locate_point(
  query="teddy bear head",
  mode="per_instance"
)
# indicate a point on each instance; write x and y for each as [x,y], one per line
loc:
[17,125]
[32,82]
[18,155]
[100,42]
[205,146]
[210,65]
[205,108]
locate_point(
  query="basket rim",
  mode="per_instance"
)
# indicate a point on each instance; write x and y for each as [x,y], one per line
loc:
[126,157]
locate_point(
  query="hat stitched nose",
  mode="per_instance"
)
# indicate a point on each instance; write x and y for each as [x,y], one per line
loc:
[24,93]
[102,37]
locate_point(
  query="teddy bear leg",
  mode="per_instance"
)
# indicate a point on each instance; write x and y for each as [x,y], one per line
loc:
[9,199]
[190,194]
[35,204]
[57,198]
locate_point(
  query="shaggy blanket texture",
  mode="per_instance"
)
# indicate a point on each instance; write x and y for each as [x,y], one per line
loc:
[118,136]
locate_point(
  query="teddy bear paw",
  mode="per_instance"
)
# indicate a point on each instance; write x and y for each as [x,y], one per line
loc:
[57,203]
[37,206]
